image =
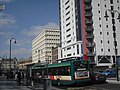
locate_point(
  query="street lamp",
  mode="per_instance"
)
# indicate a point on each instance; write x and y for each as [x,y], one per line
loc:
[112,11]
[10,49]
[2,7]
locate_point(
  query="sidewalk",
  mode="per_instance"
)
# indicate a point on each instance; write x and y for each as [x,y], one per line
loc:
[113,81]
[41,87]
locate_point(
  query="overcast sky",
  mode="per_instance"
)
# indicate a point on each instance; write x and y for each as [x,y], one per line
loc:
[23,20]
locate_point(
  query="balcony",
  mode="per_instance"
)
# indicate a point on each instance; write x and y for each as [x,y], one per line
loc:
[90,44]
[88,14]
[88,7]
[90,36]
[87,1]
[90,54]
[89,21]
[89,29]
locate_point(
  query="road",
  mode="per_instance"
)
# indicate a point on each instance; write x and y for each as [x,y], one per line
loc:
[104,86]
[10,85]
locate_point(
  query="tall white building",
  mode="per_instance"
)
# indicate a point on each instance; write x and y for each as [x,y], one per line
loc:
[71,39]
[43,43]
[83,24]
[103,31]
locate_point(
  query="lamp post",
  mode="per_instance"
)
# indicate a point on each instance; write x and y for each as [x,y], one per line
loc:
[10,49]
[112,11]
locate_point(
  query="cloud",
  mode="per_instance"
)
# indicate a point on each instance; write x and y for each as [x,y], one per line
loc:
[21,51]
[24,42]
[6,20]
[6,1]
[35,30]
[5,34]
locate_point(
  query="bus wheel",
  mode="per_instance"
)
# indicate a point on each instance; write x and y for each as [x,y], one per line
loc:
[58,82]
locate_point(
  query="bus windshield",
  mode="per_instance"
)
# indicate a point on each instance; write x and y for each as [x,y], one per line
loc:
[80,70]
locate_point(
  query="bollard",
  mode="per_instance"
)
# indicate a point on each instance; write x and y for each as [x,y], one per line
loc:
[47,84]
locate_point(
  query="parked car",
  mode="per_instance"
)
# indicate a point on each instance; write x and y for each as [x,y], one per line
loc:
[110,73]
[97,77]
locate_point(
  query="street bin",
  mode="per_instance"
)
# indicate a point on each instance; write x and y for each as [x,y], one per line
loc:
[47,84]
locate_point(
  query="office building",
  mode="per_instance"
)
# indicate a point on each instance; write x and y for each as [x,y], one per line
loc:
[43,43]
[83,23]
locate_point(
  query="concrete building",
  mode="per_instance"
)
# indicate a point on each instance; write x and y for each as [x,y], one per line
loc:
[70,26]
[5,64]
[85,18]
[56,54]
[22,64]
[43,43]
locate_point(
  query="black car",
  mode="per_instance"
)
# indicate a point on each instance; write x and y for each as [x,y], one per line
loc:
[97,77]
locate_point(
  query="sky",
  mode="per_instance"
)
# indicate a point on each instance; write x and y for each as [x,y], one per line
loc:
[24,20]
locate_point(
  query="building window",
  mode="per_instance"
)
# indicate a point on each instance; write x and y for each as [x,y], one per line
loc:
[107,33]
[98,11]
[117,1]
[112,7]
[68,41]
[101,49]
[68,48]
[77,49]
[100,25]
[68,18]
[105,5]
[67,2]
[101,41]
[68,35]
[100,33]
[73,46]
[67,13]
[111,1]
[108,50]
[67,7]
[106,26]
[64,55]
[98,4]
[67,24]
[68,30]
[99,18]
[68,54]
[108,41]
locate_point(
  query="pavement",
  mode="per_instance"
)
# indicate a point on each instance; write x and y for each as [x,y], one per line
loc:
[12,85]
[113,81]
[6,84]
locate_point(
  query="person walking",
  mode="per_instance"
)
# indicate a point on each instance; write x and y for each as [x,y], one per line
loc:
[19,78]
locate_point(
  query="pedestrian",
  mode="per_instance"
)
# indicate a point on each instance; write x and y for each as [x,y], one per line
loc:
[19,78]
[16,76]
[7,75]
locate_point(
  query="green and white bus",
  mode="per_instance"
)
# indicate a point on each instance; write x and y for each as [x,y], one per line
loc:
[65,73]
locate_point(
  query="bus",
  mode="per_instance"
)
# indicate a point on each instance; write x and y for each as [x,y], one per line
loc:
[65,73]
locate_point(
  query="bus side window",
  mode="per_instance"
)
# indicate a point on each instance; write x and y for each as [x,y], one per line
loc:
[68,70]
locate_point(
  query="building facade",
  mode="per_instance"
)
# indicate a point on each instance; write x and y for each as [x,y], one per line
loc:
[22,64]
[70,26]
[56,54]
[43,43]
[95,30]
[5,64]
